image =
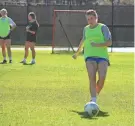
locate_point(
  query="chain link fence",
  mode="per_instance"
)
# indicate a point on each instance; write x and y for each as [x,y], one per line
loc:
[119,18]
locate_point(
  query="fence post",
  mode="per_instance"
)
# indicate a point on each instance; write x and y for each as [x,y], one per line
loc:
[112,24]
[27,11]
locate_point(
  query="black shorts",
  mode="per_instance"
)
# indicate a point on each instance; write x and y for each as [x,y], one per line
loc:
[5,38]
[31,38]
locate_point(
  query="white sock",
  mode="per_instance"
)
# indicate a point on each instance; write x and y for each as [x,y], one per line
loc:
[24,60]
[33,60]
[10,58]
[4,58]
[94,99]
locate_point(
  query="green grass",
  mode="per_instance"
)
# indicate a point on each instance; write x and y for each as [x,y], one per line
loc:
[54,91]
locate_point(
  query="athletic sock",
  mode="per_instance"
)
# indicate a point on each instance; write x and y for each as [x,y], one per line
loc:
[94,99]
[10,58]
[24,60]
[4,58]
[33,60]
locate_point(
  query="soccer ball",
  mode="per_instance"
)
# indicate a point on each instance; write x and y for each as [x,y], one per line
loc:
[91,108]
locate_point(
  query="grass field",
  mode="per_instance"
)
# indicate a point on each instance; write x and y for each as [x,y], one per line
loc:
[54,91]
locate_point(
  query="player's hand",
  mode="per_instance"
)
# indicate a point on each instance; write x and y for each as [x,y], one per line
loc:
[27,28]
[74,56]
[95,44]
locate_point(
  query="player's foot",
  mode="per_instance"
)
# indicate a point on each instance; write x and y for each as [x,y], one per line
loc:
[23,61]
[32,62]
[4,62]
[92,100]
[10,61]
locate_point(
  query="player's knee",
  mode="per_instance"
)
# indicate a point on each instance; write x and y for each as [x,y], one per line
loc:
[26,48]
[102,75]
[32,49]
[3,48]
[8,47]
[93,79]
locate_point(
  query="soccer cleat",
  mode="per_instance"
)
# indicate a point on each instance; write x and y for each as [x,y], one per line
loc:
[32,62]
[4,62]
[23,62]
[10,61]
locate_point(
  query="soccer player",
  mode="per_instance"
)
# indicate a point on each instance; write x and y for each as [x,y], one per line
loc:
[96,39]
[31,30]
[7,25]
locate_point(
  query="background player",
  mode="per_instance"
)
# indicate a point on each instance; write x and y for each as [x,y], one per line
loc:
[31,30]
[7,25]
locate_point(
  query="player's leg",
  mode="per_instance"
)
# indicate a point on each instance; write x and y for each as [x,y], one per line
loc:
[32,47]
[26,52]
[102,71]
[3,47]
[92,69]
[8,45]
[27,45]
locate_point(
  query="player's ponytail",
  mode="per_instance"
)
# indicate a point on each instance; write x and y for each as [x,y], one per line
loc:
[33,15]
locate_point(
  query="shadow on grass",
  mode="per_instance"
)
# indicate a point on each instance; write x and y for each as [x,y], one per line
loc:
[28,64]
[63,53]
[85,114]
[3,63]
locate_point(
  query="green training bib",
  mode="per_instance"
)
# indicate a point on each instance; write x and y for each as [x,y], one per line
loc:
[94,35]
[4,27]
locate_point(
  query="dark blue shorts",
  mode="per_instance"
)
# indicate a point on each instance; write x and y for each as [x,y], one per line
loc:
[97,60]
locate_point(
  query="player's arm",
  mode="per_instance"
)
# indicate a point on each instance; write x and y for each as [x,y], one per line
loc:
[80,46]
[34,29]
[32,32]
[12,24]
[107,36]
